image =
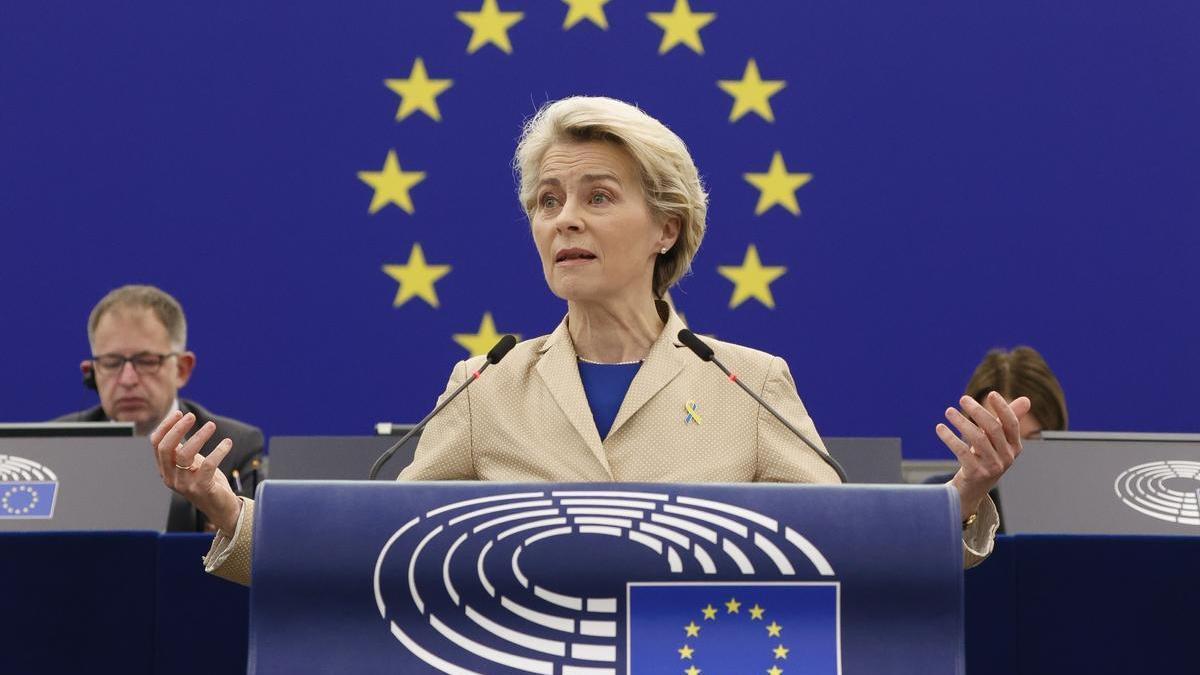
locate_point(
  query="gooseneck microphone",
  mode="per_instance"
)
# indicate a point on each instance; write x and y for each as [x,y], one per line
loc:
[705,352]
[502,347]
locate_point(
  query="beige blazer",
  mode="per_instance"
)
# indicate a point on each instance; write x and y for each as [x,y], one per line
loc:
[527,419]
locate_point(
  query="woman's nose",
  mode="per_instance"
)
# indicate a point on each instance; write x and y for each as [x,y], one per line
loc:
[570,218]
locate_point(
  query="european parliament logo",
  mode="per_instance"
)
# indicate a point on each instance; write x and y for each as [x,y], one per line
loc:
[1166,490]
[675,584]
[27,489]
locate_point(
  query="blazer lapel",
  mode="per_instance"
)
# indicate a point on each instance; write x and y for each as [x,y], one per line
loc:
[662,364]
[560,373]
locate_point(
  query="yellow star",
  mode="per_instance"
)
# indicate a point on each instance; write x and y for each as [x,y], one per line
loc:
[756,612]
[710,612]
[418,92]
[777,186]
[751,280]
[592,10]
[681,26]
[773,629]
[692,629]
[781,652]
[751,93]
[489,25]
[775,670]
[732,606]
[416,278]
[685,652]
[692,671]
[482,342]
[391,184]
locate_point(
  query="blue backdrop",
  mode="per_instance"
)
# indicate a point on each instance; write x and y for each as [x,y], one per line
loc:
[982,174]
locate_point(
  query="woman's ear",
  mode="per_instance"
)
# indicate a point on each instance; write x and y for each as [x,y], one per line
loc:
[670,233]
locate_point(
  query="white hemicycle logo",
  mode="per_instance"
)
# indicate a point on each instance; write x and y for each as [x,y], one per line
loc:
[488,535]
[27,489]
[1167,490]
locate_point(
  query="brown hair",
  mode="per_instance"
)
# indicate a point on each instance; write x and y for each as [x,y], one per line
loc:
[166,308]
[1022,372]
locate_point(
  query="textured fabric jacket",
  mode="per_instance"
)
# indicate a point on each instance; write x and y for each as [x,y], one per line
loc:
[527,419]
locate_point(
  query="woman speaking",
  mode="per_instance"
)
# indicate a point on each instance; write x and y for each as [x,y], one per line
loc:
[617,212]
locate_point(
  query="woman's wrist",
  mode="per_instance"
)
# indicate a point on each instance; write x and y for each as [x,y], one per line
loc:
[230,512]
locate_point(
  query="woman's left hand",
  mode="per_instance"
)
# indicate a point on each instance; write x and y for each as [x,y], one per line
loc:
[990,442]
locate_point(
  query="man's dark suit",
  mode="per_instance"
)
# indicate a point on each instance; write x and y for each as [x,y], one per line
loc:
[245,457]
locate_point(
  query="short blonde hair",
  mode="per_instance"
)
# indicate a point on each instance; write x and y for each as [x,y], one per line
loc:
[669,177]
[166,308]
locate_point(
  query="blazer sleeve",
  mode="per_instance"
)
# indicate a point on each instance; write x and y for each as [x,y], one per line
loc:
[230,555]
[783,458]
[445,451]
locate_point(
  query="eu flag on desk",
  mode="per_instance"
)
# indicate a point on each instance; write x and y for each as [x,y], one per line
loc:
[771,628]
[27,489]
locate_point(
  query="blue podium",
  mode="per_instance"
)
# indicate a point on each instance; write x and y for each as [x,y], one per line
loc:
[602,579]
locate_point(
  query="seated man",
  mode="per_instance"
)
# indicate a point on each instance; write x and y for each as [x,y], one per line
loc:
[138,336]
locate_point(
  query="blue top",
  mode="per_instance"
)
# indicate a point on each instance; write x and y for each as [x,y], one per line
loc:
[605,385]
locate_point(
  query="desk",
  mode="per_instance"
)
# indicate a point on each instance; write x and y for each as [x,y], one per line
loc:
[140,603]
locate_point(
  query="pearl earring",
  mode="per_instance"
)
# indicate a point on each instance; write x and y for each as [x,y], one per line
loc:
[662,251]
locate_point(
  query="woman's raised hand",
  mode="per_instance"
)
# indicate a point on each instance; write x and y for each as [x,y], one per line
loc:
[195,476]
[987,444]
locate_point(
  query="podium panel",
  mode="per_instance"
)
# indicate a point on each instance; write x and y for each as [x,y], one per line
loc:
[603,579]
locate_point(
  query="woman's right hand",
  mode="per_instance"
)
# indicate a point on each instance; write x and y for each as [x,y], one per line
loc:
[202,483]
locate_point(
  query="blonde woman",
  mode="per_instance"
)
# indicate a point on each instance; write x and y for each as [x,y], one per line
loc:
[617,212]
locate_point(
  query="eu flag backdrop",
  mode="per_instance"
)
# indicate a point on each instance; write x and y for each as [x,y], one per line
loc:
[327,188]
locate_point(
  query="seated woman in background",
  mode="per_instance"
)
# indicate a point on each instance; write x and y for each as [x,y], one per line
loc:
[1020,372]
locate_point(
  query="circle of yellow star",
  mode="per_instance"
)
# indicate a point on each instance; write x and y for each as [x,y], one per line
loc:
[774,629]
[418,92]
[751,280]
[732,606]
[592,10]
[777,186]
[710,613]
[416,278]
[482,342]
[756,612]
[692,671]
[751,93]
[685,652]
[489,26]
[781,652]
[775,670]
[391,184]
[692,629]
[681,26]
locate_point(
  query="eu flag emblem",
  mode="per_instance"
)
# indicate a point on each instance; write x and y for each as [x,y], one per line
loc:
[772,628]
[27,489]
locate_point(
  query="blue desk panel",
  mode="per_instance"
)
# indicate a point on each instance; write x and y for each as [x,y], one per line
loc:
[77,602]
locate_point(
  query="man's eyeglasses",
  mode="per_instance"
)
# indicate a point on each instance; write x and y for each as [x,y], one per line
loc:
[145,363]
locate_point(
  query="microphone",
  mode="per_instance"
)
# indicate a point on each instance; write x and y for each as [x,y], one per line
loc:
[498,352]
[705,352]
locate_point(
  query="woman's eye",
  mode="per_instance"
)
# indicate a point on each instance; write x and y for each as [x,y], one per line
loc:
[549,201]
[599,198]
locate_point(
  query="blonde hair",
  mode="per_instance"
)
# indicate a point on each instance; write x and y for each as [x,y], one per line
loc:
[166,309]
[669,177]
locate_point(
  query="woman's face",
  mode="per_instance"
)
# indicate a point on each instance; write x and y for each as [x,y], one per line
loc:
[593,230]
